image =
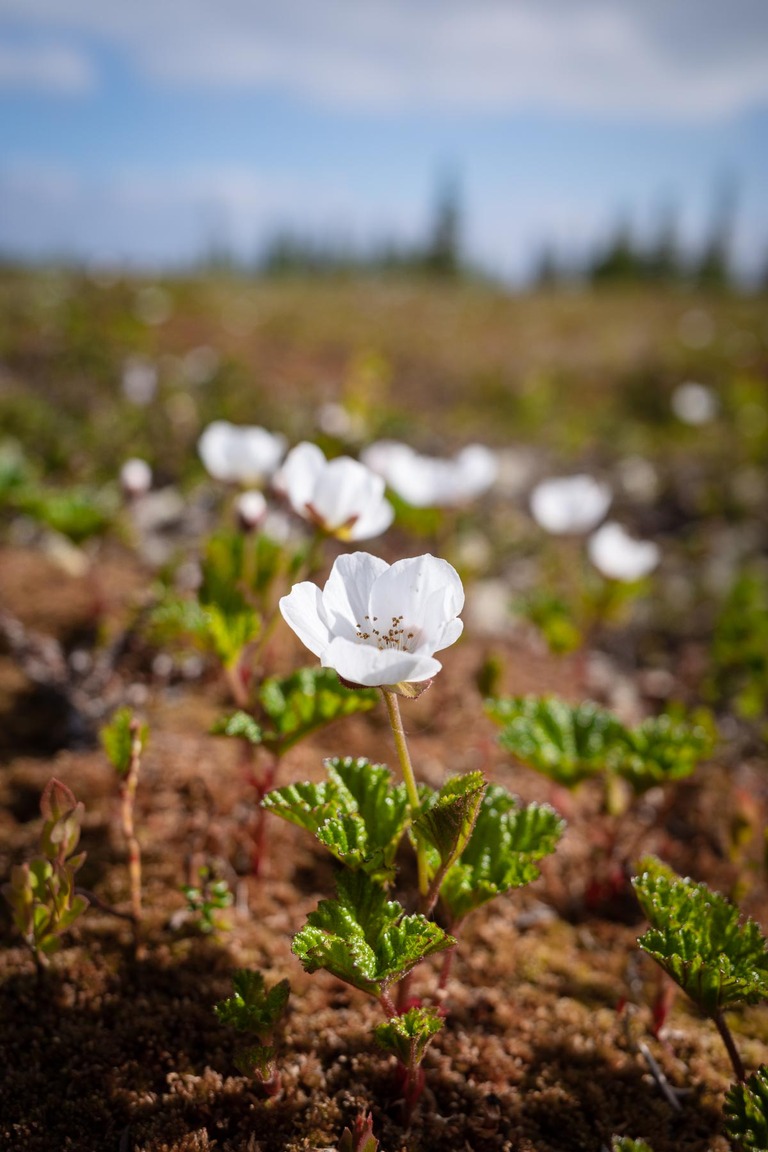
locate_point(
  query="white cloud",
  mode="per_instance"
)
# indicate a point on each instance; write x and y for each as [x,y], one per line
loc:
[50,66]
[690,59]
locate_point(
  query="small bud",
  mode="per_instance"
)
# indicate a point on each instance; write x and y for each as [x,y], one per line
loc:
[135,478]
[251,510]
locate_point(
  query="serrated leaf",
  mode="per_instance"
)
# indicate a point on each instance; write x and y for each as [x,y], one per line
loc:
[365,939]
[699,939]
[409,1035]
[358,814]
[253,1008]
[567,743]
[296,705]
[239,724]
[658,750]
[507,842]
[448,820]
[308,805]
[746,1112]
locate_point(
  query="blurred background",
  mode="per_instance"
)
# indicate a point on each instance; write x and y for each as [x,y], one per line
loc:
[524,141]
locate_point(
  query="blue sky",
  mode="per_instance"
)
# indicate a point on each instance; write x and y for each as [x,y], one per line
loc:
[144,132]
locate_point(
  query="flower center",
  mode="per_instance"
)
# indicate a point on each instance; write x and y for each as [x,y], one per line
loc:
[401,638]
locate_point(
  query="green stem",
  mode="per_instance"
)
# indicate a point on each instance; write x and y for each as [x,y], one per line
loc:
[401,745]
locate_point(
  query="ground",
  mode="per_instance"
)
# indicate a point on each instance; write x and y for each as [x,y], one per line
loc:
[548,1044]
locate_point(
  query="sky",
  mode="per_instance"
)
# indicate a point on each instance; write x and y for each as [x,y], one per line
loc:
[147,132]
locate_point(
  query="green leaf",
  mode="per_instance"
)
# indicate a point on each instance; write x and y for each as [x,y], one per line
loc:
[78,513]
[658,750]
[241,725]
[447,821]
[698,938]
[254,1008]
[408,1036]
[625,1144]
[362,1138]
[365,939]
[296,705]
[358,814]
[117,739]
[507,842]
[567,743]
[746,1112]
[308,805]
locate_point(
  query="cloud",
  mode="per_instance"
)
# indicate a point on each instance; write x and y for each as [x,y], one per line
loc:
[689,60]
[49,67]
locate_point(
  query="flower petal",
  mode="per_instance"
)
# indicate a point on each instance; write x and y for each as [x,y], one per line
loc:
[303,610]
[373,667]
[343,491]
[376,518]
[299,474]
[407,589]
[346,596]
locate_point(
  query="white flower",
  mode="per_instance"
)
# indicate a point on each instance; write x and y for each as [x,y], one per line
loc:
[694,403]
[240,454]
[618,556]
[341,496]
[376,624]
[570,503]
[135,477]
[432,481]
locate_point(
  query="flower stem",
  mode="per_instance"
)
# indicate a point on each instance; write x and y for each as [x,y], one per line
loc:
[401,745]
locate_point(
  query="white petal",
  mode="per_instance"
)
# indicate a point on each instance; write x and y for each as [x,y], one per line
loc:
[343,492]
[303,610]
[375,520]
[407,588]
[299,474]
[570,504]
[618,556]
[346,596]
[372,667]
[214,448]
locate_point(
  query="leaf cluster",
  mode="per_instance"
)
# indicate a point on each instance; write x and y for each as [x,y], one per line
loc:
[699,939]
[41,892]
[357,813]
[365,939]
[507,841]
[255,1011]
[626,1144]
[409,1035]
[570,743]
[746,1112]
[740,646]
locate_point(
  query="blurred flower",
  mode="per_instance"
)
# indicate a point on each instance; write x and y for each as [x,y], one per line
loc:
[139,380]
[694,403]
[341,496]
[432,481]
[240,454]
[251,509]
[570,503]
[378,624]
[135,477]
[618,556]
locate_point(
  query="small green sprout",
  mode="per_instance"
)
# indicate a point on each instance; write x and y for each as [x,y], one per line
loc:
[626,1144]
[123,740]
[746,1112]
[407,1037]
[699,939]
[206,899]
[255,1011]
[361,1138]
[41,892]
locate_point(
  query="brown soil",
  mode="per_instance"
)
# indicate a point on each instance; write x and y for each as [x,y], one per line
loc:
[112,1050]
